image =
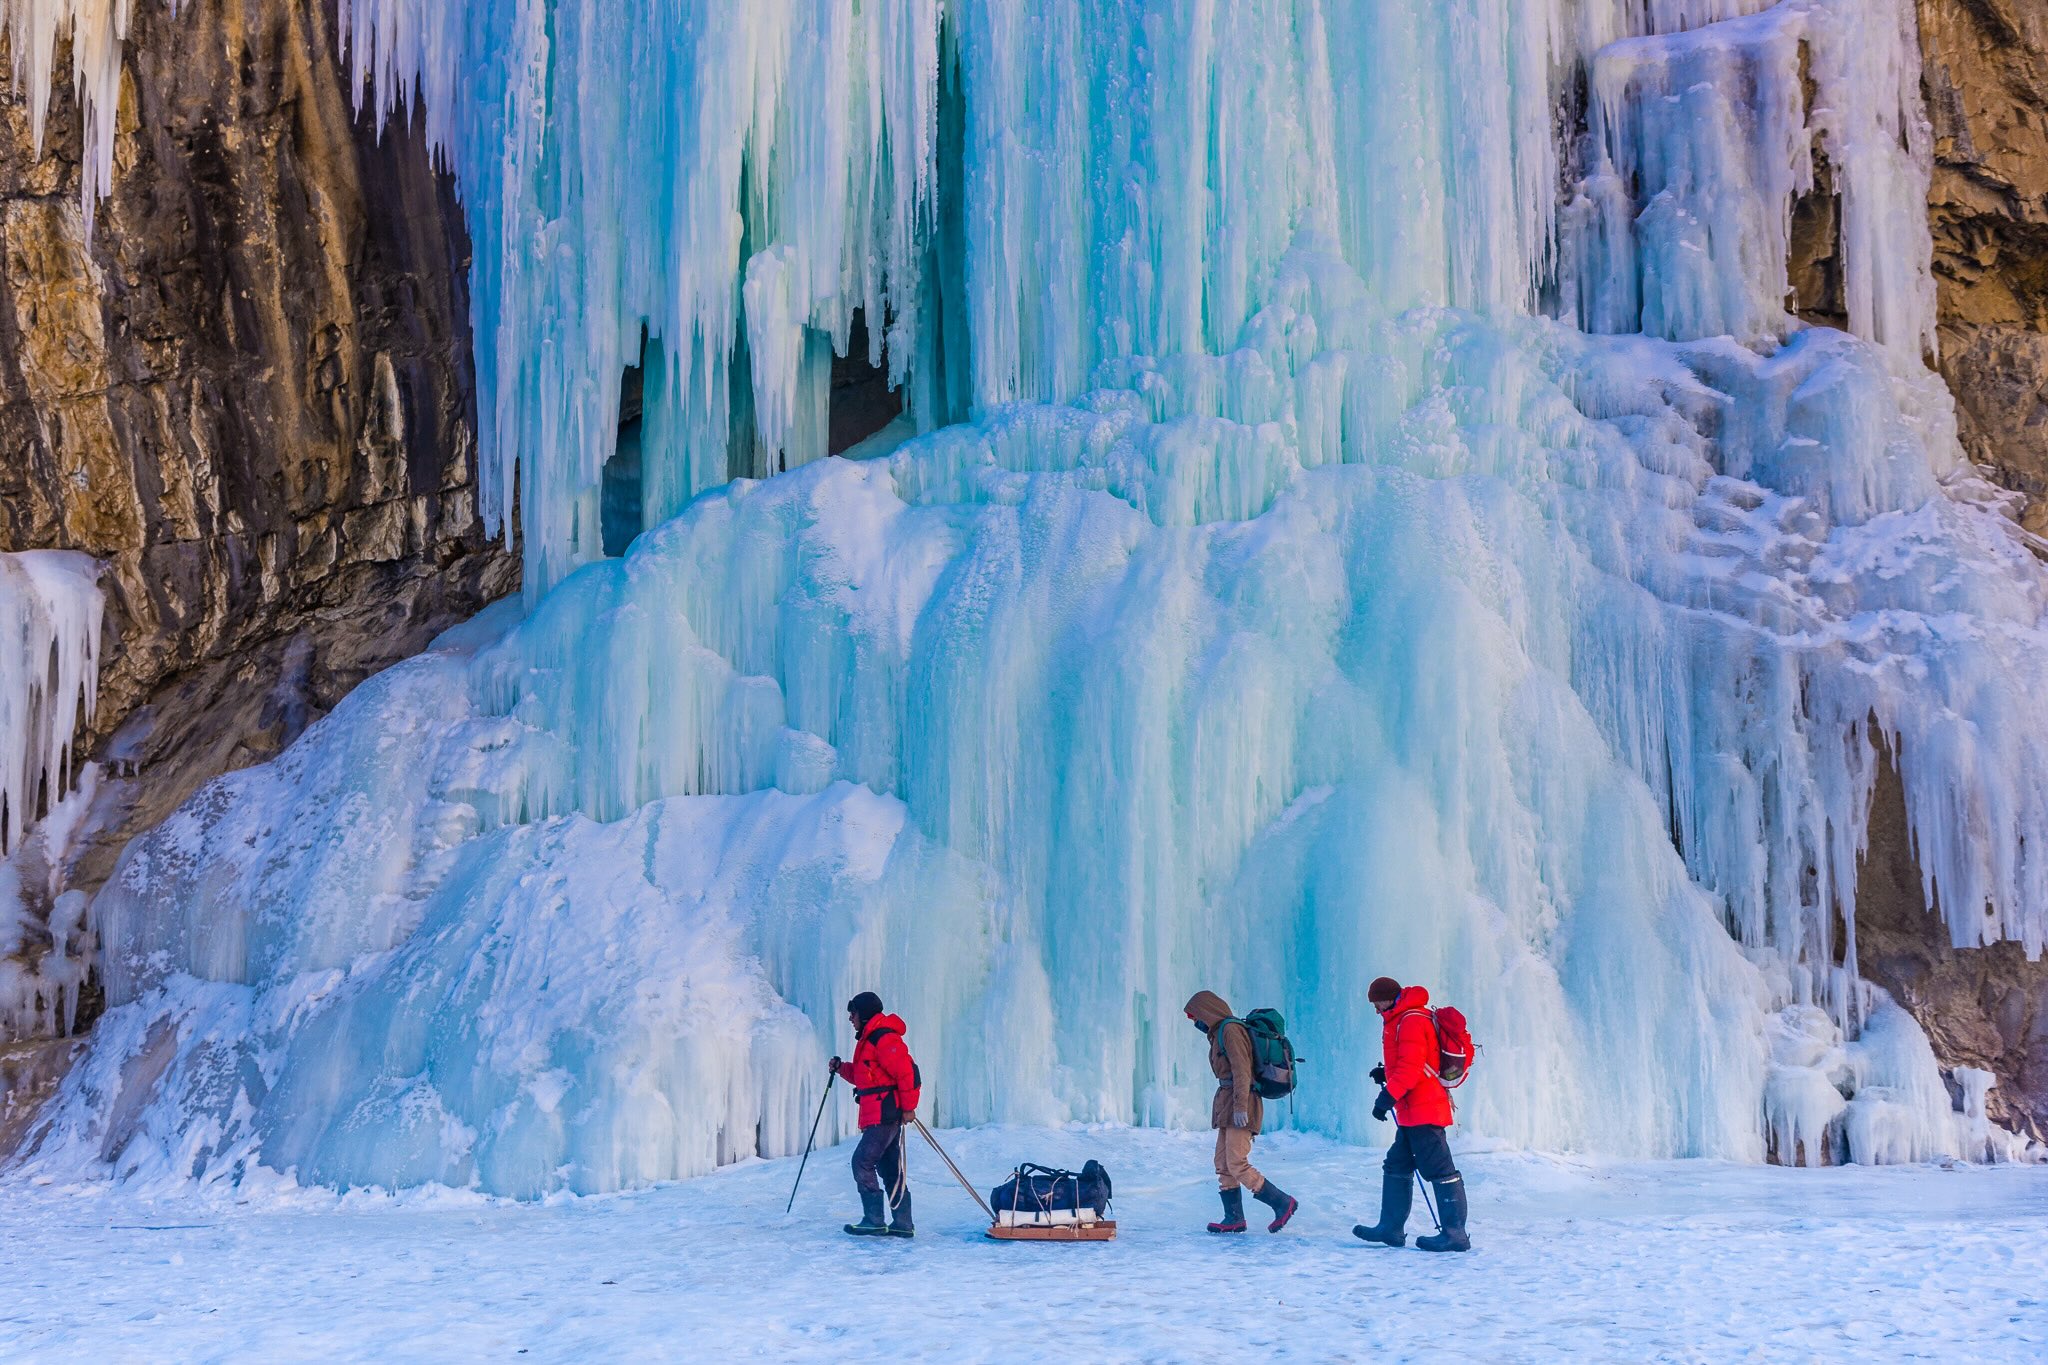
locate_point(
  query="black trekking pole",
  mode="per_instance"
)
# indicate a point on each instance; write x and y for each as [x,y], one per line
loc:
[1427,1202]
[972,1192]
[807,1144]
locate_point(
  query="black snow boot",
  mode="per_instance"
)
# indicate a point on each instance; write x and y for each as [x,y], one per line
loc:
[899,1222]
[870,1224]
[1280,1201]
[1233,1212]
[1396,1194]
[1450,1207]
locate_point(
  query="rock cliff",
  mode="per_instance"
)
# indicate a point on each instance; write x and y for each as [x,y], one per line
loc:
[1986,74]
[247,390]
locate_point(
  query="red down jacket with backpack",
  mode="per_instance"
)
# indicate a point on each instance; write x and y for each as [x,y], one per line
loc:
[1409,1042]
[881,1070]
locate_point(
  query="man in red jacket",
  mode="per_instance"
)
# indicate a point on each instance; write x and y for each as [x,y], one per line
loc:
[885,1082]
[1421,1106]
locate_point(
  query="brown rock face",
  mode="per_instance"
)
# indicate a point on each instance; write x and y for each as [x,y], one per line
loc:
[249,391]
[1987,93]
[1982,1007]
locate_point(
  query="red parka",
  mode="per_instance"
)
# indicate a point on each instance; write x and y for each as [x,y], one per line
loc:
[1408,1042]
[881,1071]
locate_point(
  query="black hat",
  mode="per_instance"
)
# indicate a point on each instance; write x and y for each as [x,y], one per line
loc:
[864,1007]
[1384,990]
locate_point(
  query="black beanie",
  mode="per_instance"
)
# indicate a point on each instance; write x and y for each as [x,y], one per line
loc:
[1384,989]
[864,1007]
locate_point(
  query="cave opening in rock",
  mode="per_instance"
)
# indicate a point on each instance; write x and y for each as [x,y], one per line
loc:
[861,402]
[1814,273]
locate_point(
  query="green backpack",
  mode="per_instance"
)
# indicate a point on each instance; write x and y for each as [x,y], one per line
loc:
[1273,1059]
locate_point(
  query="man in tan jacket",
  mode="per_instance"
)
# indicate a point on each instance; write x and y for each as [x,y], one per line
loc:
[1236,1114]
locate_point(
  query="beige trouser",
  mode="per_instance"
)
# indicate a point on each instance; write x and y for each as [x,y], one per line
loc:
[1234,1160]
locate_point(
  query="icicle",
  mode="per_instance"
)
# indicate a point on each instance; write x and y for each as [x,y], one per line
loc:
[50,612]
[50,609]
[758,171]
[46,953]
[96,30]
[1706,131]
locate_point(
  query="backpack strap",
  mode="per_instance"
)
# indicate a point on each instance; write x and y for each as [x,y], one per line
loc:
[1053,1174]
[917,1077]
[916,1071]
[1423,1010]
[1251,1044]
[1429,1066]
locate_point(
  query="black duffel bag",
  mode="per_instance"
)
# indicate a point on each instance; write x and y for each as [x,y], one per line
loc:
[1033,1189]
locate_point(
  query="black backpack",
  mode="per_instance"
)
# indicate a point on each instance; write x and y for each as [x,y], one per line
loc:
[1273,1059]
[1037,1189]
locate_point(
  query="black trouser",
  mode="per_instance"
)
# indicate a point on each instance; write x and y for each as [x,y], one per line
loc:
[878,1161]
[1421,1147]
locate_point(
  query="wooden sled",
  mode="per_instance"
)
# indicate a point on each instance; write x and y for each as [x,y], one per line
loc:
[1101,1231]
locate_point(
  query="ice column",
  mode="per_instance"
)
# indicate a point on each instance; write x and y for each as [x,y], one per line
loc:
[1699,141]
[50,609]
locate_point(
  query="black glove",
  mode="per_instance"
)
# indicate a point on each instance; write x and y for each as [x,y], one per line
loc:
[834,1065]
[1384,1105]
[1378,1074]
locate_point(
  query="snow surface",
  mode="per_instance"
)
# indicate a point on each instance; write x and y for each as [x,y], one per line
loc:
[1605,1261]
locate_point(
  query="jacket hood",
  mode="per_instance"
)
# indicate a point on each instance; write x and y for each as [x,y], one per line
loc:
[885,1021]
[1410,998]
[1207,1007]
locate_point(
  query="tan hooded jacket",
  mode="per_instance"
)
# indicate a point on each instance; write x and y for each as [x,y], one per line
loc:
[1230,1057]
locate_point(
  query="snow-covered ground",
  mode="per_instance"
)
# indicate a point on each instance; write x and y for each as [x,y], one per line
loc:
[1634,1261]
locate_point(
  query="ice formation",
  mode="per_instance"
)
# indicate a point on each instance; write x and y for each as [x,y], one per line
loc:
[1276,596]
[1701,139]
[95,29]
[1878,1098]
[50,609]
[47,951]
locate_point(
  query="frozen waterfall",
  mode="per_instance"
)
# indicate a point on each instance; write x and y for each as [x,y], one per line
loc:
[50,612]
[1353,527]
